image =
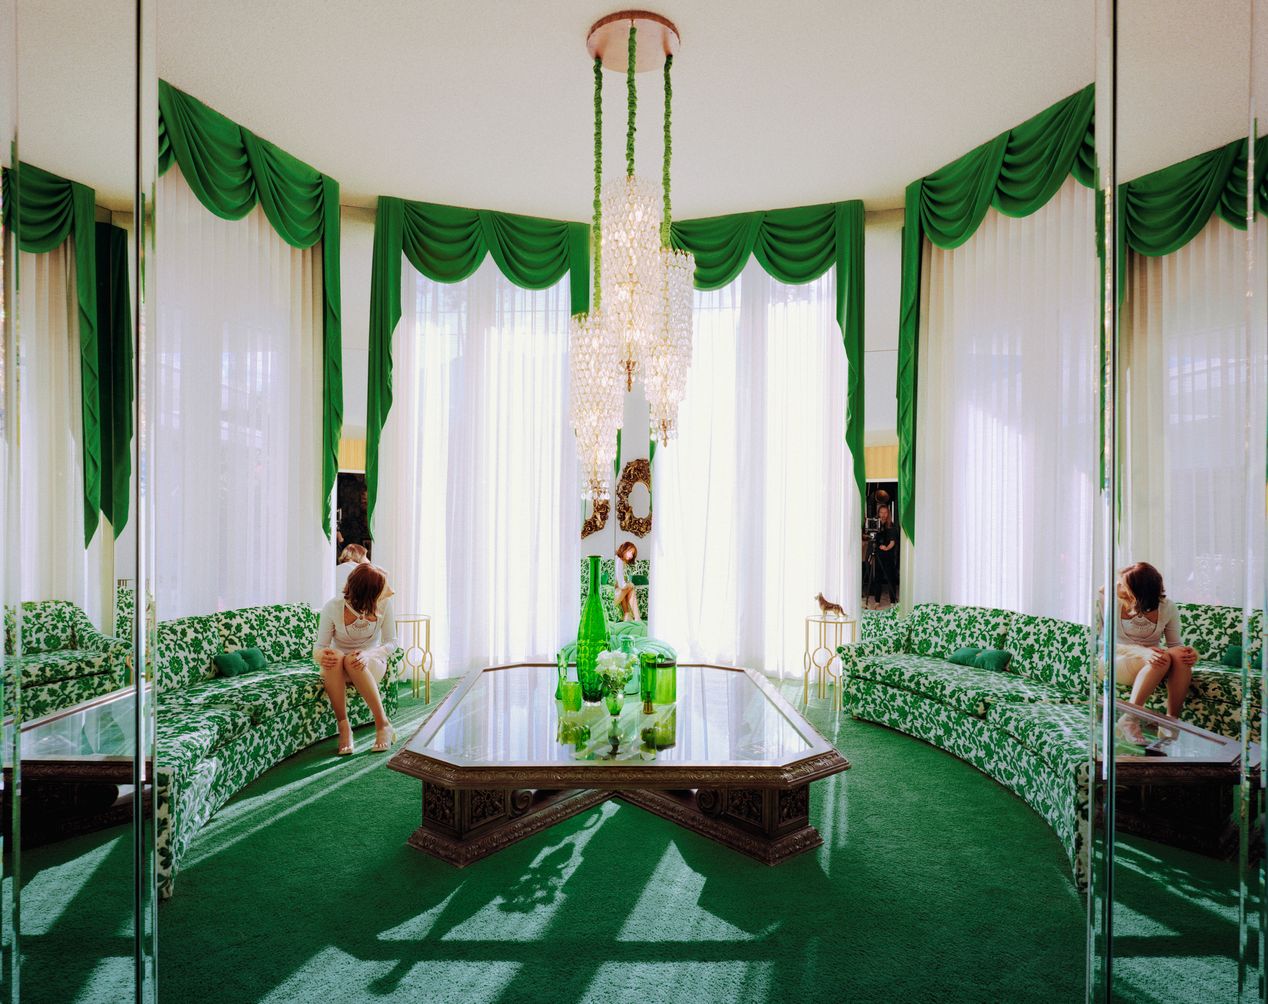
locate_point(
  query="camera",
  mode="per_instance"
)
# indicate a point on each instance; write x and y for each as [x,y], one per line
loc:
[872,524]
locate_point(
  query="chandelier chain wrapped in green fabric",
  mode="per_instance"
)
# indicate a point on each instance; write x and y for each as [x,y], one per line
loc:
[631,103]
[596,230]
[667,216]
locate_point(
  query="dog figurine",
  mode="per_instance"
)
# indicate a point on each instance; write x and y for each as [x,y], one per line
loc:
[828,608]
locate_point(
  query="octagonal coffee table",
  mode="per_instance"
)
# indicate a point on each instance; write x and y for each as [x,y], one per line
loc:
[729,759]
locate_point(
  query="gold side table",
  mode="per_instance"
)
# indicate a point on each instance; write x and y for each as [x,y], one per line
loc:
[418,652]
[828,633]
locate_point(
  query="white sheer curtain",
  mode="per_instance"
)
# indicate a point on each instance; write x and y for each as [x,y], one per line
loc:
[1006,422]
[478,518]
[52,559]
[1192,397]
[238,445]
[756,506]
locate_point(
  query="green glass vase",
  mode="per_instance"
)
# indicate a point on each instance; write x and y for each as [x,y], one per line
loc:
[592,637]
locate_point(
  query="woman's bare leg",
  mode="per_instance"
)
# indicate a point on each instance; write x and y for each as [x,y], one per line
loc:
[1178,681]
[369,691]
[1147,680]
[336,683]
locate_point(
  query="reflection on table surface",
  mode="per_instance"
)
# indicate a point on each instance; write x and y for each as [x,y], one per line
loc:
[104,727]
[1144,734]
[721,716]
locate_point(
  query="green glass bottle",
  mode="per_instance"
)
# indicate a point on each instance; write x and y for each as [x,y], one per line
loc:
[592,637]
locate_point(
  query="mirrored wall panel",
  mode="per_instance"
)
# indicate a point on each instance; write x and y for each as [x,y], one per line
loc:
[1175,901]
[79,788]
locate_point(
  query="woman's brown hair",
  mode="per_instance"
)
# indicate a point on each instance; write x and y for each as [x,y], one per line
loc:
[365,585]
[1140,585]
[353,552]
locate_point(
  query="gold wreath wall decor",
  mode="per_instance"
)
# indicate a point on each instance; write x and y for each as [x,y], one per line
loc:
[597,520]
[636,471]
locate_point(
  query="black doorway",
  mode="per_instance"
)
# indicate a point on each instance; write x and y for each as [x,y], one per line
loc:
[352,523]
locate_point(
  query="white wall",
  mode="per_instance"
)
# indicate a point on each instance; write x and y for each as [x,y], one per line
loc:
[356,255]
[883,263]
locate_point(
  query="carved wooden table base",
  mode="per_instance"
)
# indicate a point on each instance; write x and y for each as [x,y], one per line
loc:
[460,826]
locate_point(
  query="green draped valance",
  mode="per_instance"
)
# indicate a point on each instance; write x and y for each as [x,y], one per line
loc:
[230,169]
[447,244]
[1161,212]
[795,246]
[1017,172]
[51,209]
[114,314]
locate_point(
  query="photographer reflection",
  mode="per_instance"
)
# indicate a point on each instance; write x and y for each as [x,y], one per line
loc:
[880,553]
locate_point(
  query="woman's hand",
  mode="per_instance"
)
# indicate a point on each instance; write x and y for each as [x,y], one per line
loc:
[1159,657]
[356,660]
[329,659]
[1188,655]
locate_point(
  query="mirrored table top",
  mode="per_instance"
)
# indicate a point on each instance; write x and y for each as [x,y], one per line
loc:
[101,729]
[507,719]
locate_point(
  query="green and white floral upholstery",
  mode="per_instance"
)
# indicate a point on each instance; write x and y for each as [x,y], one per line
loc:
[124,611]
[64,660]
[1051,651]
[1020,727]
[216,734]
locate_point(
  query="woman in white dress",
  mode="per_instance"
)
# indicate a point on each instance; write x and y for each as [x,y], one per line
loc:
[355,637]
[1149,651]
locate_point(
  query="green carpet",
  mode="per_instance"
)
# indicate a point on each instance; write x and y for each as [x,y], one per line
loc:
[934,884]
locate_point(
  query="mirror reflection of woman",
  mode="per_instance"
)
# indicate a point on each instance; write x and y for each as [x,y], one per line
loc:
[355,637]
[1149,651]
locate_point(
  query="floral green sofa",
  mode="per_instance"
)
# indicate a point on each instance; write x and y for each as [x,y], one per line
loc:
[1021,727]
[65,660]
[215,734]
[1028,727]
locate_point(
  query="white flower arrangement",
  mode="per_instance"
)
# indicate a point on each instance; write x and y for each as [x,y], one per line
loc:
[615,669]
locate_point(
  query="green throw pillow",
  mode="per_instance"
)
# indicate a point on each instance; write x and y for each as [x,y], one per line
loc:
[229,664]
[994,659]
[1233,658]
[253,658]
[965,656]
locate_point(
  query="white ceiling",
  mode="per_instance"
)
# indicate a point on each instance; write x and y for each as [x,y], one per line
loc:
[488,103]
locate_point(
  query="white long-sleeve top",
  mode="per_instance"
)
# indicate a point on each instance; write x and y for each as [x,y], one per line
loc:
[373,639]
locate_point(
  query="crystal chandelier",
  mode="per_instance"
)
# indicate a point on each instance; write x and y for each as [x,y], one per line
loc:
[640,320]
[595,398]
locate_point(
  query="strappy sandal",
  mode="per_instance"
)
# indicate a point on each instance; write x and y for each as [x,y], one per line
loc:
[381,744]
[344,750]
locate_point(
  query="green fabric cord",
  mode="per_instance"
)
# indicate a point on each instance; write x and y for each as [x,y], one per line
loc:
[795,246]
[114,354]
[631,103]
[50,210]
[1017,172]
[230,169]
[596,228]
[447,244]
[667,216]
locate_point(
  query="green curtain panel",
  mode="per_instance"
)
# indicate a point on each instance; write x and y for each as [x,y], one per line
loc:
[795,246]
[51,209]
[1017,172]
[447,244]
[230,169]
[114,355]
